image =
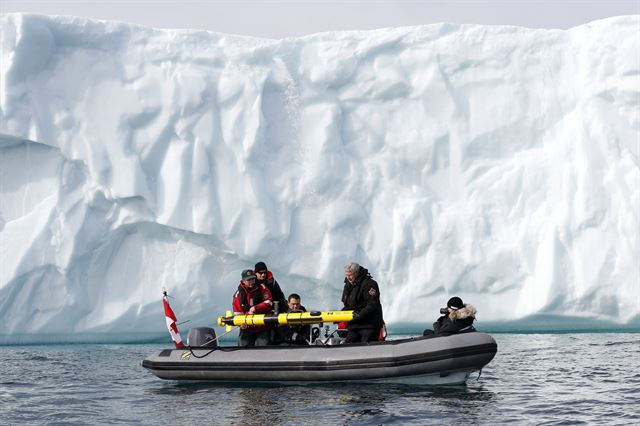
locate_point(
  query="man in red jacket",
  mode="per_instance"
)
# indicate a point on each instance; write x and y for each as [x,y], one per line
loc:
[252,299]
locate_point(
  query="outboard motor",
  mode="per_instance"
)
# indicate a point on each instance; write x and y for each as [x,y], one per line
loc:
[202,337]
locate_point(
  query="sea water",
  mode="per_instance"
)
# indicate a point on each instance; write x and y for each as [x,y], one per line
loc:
[585,378]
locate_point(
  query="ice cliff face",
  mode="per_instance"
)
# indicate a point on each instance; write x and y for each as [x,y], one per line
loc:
[499,164]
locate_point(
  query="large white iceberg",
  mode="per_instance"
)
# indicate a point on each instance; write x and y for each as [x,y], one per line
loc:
[500,164]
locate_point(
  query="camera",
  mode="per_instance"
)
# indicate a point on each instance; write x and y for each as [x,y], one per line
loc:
[444,311]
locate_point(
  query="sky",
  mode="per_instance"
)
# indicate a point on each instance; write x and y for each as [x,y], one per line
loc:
[290,18]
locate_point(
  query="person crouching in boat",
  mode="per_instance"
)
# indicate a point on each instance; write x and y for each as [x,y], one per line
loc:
[298,334]
[252,298]
[459,318]
[362,296]
[264,276]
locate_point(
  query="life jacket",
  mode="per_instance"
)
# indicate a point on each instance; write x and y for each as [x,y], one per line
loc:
[255,293]
[276,292]
[383,332]
[259,297]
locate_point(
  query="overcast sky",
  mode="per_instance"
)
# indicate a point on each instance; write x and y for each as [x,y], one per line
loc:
[284,18]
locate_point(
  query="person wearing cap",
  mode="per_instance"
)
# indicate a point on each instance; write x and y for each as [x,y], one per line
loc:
[458,319]
[264,276]
[362,296]
[252,298]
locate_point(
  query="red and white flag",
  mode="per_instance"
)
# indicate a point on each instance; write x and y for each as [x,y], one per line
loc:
[171,322]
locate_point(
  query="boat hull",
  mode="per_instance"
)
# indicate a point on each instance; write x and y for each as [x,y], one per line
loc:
[442,360]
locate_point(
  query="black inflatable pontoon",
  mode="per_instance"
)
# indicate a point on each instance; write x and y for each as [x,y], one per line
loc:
[422,360]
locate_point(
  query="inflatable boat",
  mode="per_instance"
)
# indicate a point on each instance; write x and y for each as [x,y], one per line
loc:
[418,360]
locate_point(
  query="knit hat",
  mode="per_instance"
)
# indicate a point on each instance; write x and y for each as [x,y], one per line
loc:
[455,303]
[248,274]
[260,266]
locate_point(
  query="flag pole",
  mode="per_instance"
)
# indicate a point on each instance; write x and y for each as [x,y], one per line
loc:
[171,321]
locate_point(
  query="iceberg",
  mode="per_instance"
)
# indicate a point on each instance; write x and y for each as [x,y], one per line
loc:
[496,163]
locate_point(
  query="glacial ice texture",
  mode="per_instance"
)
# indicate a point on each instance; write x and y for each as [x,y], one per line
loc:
[500,164]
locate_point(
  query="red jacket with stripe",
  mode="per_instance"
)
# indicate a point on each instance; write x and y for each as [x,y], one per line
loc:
[257,296]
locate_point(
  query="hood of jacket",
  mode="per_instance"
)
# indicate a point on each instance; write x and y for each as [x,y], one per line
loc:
[243,286]
[269,278]
[465,312]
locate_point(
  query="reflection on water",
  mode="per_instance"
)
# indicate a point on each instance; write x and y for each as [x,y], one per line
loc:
[258,406]
[533,379]
[364,401]
[347,403]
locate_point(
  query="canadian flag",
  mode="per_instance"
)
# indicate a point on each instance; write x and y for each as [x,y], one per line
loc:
[171,322]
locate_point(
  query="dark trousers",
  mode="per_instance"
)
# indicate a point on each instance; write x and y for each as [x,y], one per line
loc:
[362,335]
[252,338]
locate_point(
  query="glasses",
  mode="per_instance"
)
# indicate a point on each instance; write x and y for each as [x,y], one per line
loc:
[261,273]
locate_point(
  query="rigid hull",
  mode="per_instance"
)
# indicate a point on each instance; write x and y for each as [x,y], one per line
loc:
[447,359]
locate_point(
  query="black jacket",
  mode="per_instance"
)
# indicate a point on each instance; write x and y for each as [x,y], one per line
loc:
[297,334]
[456,322]
[363,298]
[276,292]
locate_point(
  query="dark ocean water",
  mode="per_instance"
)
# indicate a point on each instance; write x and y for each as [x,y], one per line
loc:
[534,379]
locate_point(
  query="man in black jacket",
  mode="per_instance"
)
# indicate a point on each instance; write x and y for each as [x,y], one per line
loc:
[361,295]
[298,334]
